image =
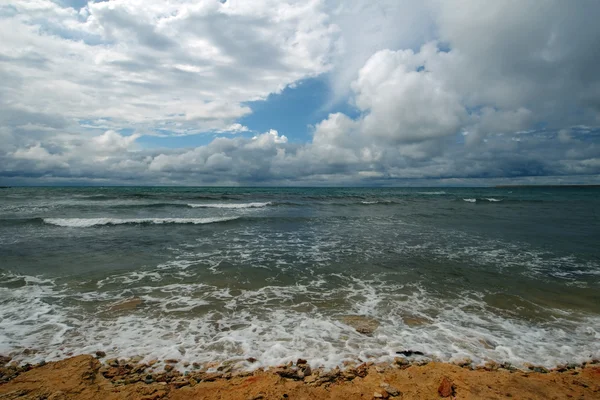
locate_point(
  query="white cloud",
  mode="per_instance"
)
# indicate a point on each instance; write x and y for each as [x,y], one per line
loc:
[447,90]
[186,66]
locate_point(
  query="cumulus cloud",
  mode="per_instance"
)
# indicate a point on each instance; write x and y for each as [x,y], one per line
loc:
[186,66]
[452,92]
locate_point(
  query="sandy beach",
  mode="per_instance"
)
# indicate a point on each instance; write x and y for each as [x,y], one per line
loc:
[87,377]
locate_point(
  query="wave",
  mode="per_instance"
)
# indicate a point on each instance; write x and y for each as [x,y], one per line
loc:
[263,323]
[229,205]
[89,222]
[489,199]
[433,193]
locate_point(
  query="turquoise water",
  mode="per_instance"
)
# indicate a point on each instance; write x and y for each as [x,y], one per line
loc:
[505,274]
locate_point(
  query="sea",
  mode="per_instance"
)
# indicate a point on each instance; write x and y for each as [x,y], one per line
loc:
[233,275]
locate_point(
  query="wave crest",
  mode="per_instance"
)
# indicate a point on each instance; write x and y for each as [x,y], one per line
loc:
[229,205]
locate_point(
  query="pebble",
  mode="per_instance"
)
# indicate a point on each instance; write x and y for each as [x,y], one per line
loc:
[446,388]
[100,354]
[113,362]
[4,360]
[390,389]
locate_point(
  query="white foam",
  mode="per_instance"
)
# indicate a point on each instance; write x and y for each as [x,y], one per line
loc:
[276,324]
[229,205]
[491,199]
[432,193]
[88,222]
[470,200]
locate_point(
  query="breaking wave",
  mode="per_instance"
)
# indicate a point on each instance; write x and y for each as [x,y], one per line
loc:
[229,205]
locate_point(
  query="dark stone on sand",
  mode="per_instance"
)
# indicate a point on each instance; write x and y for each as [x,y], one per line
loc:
[100,354]
[301,361]
[409,353]
[307,370]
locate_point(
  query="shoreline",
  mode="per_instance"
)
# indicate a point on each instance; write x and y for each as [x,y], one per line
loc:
[89,377]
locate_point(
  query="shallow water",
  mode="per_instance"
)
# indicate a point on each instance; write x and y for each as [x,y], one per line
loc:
[509,274]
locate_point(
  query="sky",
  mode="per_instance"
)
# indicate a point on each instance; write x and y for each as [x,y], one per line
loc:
[299,93]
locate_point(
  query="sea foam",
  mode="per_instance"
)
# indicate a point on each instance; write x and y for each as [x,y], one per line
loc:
[461,327]
[229,205]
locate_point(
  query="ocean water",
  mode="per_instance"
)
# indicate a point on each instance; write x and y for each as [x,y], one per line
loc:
[223,274]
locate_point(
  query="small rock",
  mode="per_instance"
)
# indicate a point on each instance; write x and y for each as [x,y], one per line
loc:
[491,366]
[446,388]
[362,324]
[259,396]
[487,344]
[196,365]
[136,359]
[362,370]
[307,370]
[186,364]
[464,363]
[139,368]
[301,361]
[4,360]
[152,362]
[179,383]
[251,360]
[169,368]
[349,374]
[171,361]
[390,389]
[111,372]
[113,362]
[401,361]
[100,354]
[381,395]
[129,304]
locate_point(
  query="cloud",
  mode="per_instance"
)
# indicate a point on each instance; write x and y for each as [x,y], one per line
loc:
[456,92]
[187,66]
